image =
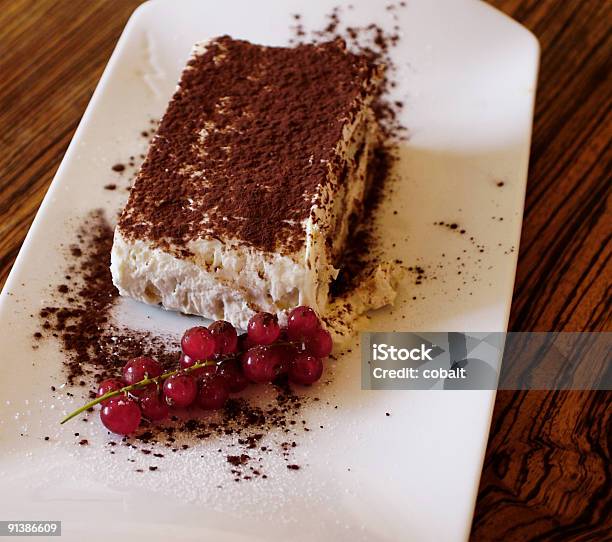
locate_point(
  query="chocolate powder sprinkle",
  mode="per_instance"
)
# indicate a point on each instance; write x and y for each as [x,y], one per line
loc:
[93,346]
[247,142]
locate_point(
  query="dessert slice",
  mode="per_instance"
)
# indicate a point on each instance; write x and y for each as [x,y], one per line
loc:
[252,183]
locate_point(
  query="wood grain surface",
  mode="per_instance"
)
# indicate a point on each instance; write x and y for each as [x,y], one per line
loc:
[546,474]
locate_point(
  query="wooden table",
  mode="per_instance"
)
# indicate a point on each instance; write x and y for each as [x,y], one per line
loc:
[546,473]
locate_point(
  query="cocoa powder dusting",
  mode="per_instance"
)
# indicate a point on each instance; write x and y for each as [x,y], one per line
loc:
[247,142]
[81,318]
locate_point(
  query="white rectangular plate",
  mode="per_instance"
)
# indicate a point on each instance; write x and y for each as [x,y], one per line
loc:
[467,75]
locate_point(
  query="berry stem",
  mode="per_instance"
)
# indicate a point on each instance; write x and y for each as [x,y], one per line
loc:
[141,384]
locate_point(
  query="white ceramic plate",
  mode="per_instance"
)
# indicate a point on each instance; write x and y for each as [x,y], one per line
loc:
[467,75]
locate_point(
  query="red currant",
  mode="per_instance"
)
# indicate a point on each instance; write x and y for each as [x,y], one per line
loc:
[263,328]
[262,364]
[305,369]
[226,338]
[152,405]
[120,415]
[198,343]
[108,385]
[303,322]
[138,369]
[180,390]
[234,377]
[213,393]
[320,344]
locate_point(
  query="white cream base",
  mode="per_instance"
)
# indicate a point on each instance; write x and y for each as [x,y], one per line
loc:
[218,282]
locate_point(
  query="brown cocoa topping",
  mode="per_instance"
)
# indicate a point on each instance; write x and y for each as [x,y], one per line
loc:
[247,142]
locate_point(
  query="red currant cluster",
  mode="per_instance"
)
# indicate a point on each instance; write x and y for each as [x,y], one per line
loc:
[260,355]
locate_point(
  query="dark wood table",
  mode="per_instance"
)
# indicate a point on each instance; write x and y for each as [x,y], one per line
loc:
[547,469]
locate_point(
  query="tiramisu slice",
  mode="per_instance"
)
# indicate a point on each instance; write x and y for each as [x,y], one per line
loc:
[257,173]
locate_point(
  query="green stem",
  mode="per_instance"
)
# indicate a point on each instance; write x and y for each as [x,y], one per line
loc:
[142,384]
